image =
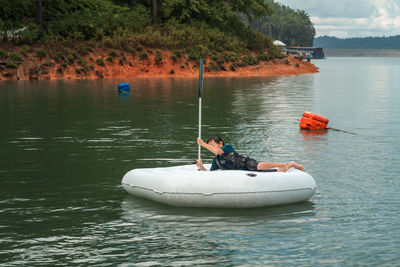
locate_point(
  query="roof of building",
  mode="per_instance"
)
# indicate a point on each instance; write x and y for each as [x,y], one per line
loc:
[279,43]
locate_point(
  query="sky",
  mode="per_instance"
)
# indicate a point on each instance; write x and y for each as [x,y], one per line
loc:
[351,18]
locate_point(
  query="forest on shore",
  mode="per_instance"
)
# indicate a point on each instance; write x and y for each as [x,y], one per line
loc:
[63,33]
[293,27]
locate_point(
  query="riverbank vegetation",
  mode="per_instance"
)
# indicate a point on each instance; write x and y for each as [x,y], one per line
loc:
[87,34]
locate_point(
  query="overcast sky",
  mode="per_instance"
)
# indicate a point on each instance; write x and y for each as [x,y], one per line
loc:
[351,18]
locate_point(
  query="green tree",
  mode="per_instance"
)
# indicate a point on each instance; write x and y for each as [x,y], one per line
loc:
[197,27]
[39,13]
[213,12]
[292,27]
[154,12]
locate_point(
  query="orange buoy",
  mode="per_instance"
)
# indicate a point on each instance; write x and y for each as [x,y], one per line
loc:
[312,121]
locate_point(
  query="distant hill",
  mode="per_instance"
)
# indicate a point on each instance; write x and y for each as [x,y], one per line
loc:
[391,42]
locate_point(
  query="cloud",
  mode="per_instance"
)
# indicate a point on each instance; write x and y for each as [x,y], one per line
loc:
[357,18]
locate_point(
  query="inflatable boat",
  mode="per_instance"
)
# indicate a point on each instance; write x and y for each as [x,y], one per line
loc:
[185,186]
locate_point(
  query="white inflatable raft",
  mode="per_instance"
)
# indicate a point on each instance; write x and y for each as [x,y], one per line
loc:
[185,186]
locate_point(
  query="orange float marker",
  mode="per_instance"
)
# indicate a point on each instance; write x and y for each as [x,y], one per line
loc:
[312,121]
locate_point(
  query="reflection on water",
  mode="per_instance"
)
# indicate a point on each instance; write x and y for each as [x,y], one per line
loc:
[221,232]
[314,135]
[136,209]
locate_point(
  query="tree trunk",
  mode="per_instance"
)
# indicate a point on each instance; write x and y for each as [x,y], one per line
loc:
[39,13]
[155,12]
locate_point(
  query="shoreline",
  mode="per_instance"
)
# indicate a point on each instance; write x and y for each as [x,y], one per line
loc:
[344,52]
[97,65]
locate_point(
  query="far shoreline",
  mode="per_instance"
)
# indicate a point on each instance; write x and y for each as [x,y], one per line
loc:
[335,52]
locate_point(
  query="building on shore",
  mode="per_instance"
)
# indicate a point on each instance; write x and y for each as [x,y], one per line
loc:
[306,52]
[281,45]
[13,34]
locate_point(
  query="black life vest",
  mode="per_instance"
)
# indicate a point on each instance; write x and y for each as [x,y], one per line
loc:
[237,161]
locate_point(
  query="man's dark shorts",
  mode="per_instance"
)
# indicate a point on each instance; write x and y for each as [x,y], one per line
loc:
[251,164]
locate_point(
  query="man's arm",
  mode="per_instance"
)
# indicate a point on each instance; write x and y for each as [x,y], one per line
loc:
[215,150]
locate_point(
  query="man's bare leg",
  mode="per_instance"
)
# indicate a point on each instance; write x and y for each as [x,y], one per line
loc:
[281,167]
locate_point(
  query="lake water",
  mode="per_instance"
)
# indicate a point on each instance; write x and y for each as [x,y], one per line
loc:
[65,146]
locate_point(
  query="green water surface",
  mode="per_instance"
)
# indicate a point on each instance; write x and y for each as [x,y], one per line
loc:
[65,145]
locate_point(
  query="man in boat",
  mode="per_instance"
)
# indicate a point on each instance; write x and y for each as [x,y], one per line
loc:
[226,158]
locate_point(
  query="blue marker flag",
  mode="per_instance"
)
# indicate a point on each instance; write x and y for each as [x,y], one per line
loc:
[201,78]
